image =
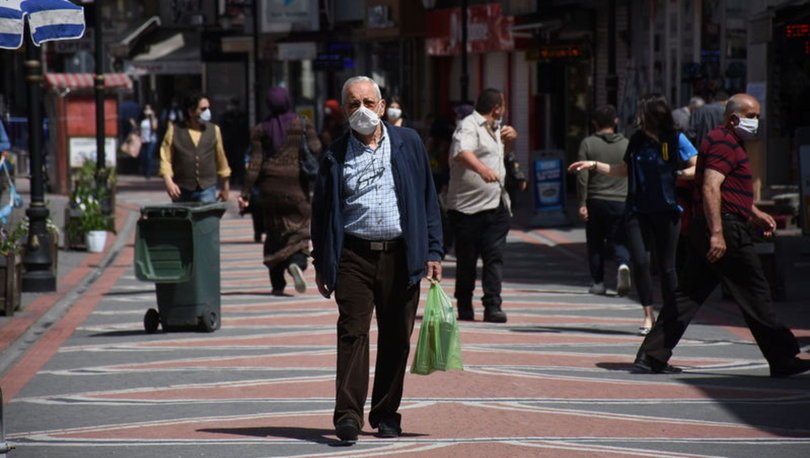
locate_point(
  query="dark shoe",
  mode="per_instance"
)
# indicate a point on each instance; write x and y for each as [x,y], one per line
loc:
[388,429]
[347,429]
[279,293]
[794,366]
[646,365]
[494,315]
[466,314]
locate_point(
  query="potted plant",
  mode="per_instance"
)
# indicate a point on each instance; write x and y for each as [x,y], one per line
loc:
[94,224]
[11,240]
[90,208]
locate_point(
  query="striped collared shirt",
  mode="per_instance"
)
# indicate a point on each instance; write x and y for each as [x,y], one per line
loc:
[370,200]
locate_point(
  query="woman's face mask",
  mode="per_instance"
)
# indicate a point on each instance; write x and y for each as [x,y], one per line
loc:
[364,121]
[394,113]
[206,115]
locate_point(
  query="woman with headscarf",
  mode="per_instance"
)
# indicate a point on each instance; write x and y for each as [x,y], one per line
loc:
[274,168]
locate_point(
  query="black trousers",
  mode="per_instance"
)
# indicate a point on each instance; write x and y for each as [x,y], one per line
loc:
[656,232]
[370,281]
[739,270]
[605,226]
[481,235]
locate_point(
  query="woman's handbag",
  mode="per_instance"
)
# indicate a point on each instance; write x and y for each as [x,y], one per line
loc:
[307,161]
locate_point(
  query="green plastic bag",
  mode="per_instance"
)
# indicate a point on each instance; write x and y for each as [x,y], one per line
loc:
[438,347]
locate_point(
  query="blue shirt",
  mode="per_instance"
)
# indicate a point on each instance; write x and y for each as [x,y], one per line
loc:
[370,200]
[415,193]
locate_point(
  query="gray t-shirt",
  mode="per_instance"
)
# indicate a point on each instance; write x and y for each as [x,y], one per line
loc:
[467,192]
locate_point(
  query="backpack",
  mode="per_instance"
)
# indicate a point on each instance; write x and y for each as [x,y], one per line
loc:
[651,174]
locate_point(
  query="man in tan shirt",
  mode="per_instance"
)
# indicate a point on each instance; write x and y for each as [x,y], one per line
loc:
[192,156]
[478,204]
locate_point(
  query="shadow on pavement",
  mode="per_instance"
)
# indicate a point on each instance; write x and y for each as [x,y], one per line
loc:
[126,333]
[133,292]
[558,330]
[252,293]
[623,367]
[315,435]
[779,407]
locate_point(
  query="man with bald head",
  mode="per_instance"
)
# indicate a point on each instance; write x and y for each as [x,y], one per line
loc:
[722,250]
[376,231]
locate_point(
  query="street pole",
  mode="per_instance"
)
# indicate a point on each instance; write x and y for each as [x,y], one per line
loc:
[99,92]
[257,97]
[465,77]
[612,80]
[38,277]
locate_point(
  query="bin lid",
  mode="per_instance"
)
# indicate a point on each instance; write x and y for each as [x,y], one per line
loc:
[183,209]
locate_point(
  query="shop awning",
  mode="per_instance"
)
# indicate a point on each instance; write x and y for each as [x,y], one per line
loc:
[167,52]
[80,81]
[123,48]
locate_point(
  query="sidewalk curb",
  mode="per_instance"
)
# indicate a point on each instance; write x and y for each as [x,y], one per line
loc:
[12,353]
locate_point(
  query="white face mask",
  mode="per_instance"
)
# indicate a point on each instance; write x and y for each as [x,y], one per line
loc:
[394,113]
[747,128]
[496,124]
[206,115]
[364,121]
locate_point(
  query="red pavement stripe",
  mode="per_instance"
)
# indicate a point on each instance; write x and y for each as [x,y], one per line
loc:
[25,318]
[41,352]
[29,315]
[554,236]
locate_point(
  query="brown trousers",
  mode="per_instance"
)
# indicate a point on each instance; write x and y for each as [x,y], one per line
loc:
[371,281]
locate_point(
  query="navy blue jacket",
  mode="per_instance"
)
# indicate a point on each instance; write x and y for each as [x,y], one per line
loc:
[416,198]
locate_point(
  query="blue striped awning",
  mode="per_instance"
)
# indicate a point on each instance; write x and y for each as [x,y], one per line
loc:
[49,20]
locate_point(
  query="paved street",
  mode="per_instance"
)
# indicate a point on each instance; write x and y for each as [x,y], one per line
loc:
[554,381]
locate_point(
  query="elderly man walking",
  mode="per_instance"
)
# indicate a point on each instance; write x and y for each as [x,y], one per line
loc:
[722,251]
[376,231]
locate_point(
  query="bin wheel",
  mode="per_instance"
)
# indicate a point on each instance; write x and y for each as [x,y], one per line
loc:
[151,321]
[209,322]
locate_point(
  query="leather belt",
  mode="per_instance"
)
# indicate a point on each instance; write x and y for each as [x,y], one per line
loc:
[358,244]
[734,217]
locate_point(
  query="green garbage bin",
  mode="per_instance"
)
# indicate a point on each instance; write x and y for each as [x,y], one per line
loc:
[177,248]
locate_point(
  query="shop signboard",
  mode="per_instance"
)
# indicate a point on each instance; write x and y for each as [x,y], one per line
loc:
[549,193]
[289,15]
[548,172]
[83,149]
[488,30]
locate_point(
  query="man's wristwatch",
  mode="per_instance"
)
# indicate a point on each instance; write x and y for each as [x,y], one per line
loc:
[593,166]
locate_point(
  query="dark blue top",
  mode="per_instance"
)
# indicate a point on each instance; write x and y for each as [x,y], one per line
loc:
[651,176]
[416,198]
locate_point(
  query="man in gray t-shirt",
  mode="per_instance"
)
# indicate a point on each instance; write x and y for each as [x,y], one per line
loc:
[601,201]
[478,204]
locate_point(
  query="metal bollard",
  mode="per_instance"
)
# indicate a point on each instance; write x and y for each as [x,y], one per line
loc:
[4,447]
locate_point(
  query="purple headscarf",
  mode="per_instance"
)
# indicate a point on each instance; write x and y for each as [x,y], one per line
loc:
[281,116]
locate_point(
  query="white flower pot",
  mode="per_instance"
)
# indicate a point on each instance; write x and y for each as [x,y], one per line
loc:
[95,241]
